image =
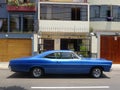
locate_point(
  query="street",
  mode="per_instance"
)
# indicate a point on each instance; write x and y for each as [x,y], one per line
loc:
[17,81]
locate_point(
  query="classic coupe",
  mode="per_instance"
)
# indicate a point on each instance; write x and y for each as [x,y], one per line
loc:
[60,62]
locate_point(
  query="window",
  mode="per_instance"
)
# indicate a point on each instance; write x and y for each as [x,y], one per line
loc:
[63,12]
[68,55]
[100,13]
[43,10]
[28,23]
[116,13]
[62,55]
[75,13]
[15,23]
[3,25]
[51,56]
[54,56]
[21,23]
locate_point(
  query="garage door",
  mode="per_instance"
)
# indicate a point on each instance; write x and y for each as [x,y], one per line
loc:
[14,48]
[110,48]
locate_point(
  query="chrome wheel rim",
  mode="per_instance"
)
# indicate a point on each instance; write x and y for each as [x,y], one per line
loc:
[96,72]
[37,72]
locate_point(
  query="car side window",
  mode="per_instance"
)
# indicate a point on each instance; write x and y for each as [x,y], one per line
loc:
[68,55]
[52,56]
[55,55]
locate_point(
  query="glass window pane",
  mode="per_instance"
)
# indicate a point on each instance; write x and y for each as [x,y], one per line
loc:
[116,13]
[28,23]
[51,56]
[63,12]
[67,12]
[3,25]
[66,55]
[43,11]
[15,23]
[57,12]
[83,13]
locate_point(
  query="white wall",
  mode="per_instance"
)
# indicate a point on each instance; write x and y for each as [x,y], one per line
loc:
[111,2]
[105,26]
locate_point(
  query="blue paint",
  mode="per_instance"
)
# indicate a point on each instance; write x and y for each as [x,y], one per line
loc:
[59,66]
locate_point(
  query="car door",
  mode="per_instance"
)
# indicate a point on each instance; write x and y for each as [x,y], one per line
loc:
[69,63]
[52,65]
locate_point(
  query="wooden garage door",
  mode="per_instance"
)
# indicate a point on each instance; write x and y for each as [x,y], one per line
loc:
[110,48]
[14,48]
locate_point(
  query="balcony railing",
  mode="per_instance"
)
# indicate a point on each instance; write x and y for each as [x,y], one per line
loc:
[15,5]
[64,26]
[21,8]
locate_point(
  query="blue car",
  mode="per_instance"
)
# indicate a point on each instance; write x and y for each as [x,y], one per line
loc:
[60,62]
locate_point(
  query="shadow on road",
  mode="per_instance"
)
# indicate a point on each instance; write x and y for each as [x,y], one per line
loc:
[12,88]
[80,76]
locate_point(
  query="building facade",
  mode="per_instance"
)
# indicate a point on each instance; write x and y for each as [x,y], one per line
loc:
[89,27]
[105,25]
[64,24]
[100,27]
[17,29]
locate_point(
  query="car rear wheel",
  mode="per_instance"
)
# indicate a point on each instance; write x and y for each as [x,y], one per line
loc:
[96,72]
[37,72]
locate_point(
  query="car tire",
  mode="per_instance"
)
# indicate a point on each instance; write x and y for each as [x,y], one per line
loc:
[96,72]
[36,72]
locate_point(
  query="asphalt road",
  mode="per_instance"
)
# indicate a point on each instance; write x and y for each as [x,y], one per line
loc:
[16,81]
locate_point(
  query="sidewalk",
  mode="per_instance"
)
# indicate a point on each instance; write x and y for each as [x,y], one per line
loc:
[4,65]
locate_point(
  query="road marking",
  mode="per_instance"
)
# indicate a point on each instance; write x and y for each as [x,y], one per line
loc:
[80,87]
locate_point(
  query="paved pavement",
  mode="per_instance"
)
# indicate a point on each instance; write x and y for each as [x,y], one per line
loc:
[4,65]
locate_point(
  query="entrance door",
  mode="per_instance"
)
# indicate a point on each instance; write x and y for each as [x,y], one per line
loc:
[110,48]
[48,44]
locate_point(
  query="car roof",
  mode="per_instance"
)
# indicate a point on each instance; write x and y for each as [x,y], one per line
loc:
[59,51]
[53,51]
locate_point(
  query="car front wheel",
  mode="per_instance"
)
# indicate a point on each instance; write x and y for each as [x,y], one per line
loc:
[37,72]
[96,72]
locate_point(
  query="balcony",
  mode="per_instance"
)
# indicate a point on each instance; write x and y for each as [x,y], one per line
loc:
[64,26]
[21,7]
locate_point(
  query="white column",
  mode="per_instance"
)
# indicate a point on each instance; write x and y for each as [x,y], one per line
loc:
[57,44]
[35,43]
[94,45]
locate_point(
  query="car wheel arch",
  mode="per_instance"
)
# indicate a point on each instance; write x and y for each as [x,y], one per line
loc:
[43,71]
[96,67]
[100,67]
